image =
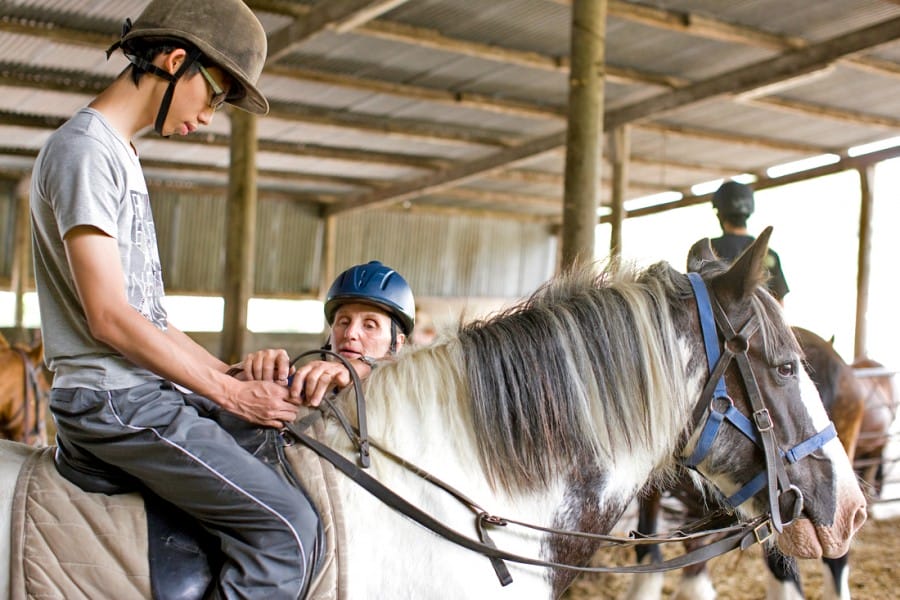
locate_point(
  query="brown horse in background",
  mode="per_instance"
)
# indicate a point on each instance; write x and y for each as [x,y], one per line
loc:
[880,393]
[24,392]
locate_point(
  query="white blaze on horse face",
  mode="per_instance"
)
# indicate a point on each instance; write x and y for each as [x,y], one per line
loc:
[813,402]
[834,451]
[805,539]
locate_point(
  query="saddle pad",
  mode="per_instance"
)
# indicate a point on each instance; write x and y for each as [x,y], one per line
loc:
[319,479]
[68,544]
[71,545]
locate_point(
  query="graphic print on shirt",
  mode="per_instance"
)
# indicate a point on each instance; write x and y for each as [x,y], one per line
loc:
[145,285]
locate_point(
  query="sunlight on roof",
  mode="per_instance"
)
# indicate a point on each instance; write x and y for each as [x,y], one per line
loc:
[873,147]
[707,187]
[652,200]
[802,165]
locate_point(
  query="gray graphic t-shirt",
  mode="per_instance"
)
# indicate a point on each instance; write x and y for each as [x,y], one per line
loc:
[88,174]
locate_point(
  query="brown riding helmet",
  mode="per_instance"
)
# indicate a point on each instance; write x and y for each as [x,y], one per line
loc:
[225,31]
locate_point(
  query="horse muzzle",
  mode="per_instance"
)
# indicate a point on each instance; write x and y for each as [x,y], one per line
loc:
[804,539]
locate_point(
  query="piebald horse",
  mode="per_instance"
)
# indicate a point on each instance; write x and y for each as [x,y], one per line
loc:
[557,411]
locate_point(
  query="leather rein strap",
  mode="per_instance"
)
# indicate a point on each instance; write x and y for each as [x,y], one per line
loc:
[742,536]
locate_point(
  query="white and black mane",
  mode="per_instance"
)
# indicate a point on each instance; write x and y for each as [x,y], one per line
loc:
[578,374]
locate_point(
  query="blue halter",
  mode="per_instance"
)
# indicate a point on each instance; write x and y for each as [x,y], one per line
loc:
[721,409]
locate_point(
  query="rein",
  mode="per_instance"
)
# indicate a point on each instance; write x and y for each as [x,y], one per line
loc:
[738,536]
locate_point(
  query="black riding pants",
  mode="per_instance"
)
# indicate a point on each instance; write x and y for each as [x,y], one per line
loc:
[200,458]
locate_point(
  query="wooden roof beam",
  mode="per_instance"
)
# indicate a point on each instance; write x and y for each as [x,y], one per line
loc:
[713,135]
[825,112]
[339,15]
[845,164]
[765,72]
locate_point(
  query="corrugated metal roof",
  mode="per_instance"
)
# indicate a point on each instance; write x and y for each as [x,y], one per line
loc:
[402,115]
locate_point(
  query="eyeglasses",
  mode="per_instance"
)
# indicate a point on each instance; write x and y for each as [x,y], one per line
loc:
[217,101]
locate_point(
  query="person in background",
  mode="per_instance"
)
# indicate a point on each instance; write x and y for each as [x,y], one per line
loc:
[370,309]
[734,204]
[133,397]
[426,331]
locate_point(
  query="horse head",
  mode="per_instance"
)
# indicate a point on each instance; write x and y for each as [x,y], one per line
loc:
[772,415]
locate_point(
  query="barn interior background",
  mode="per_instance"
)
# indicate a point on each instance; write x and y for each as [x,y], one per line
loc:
[432,135]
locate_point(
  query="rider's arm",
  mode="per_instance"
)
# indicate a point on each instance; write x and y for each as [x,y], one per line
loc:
[96,268]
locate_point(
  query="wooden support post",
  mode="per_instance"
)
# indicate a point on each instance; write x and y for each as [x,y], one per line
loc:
[327,268]
[621,149]
[240,223]
[21,265]
[864,260]
[585,128]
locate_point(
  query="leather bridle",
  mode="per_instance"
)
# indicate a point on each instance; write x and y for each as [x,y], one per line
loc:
[719,408]
[742,535]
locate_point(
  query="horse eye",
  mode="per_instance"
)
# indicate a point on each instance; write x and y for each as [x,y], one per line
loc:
[788,369]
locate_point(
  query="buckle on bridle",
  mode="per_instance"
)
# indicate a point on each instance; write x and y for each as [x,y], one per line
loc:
[763,420]
[492,519]
[763,532]
[798,503]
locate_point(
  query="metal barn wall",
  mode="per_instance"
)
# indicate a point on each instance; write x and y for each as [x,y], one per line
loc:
[190,229]
[450,256]
[441,256]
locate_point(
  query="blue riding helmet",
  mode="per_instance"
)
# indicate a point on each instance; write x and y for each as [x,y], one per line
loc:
[377,284]
[734,199]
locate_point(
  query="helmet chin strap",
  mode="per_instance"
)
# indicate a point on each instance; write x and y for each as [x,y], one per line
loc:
[393,347]
[163,112]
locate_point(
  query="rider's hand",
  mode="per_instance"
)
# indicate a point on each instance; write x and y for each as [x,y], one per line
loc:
[267,365]
[315,379]
[261,402]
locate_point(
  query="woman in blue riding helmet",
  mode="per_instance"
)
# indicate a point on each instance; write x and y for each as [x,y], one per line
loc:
[371,311]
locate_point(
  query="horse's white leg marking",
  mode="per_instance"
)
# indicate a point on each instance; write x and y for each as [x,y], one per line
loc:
[782,590]
[12,456]
[699,587]
[829,591]
[645,586]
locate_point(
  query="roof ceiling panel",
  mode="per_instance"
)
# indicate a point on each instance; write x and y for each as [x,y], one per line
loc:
[464,93]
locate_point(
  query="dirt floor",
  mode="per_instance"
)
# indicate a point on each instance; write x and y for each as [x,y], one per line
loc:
[874,571]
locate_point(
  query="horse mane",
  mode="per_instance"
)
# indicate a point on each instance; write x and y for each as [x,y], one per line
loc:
[580,371]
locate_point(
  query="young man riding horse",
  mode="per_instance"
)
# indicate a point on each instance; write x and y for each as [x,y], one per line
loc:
[115,356]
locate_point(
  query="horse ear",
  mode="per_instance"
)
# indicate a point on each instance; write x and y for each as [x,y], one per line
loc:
[748,270]
[700,253]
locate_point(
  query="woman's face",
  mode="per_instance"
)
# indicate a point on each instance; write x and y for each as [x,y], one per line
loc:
[362,330]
